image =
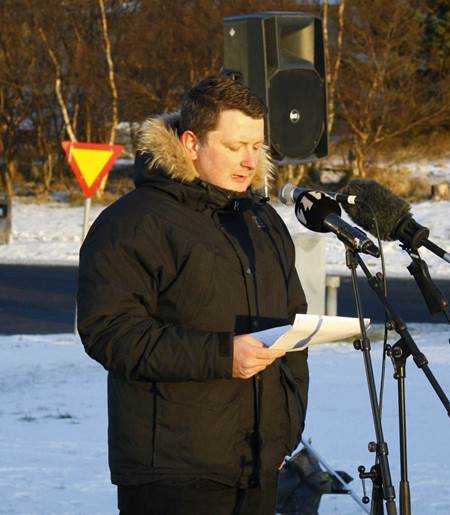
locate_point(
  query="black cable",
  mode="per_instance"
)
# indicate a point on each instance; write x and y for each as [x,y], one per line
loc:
[447,317]
[385,336]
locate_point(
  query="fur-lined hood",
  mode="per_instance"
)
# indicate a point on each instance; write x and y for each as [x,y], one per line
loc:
[159,144]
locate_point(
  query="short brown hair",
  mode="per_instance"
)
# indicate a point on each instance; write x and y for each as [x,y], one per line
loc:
[203,103]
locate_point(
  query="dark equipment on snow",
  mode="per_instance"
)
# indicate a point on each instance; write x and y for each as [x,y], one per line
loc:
[302,482]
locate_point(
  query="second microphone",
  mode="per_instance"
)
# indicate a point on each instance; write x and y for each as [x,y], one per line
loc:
[320,212]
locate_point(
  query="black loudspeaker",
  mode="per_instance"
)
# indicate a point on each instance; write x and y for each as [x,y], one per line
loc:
[280,57]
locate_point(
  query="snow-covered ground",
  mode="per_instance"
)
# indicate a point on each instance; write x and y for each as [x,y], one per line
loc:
[436,171]
[51,233]
[53,422]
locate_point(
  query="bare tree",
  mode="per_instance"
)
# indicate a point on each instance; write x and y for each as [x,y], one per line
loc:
[333,66]
[112,83]
[110,60]
[382,92]
[17,68]
[170,46]
[58,82]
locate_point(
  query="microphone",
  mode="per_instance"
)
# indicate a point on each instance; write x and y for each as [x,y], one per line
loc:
[393,214]
[319,212]
[288,194]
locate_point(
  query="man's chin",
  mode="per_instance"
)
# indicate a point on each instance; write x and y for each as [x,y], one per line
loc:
[239,183]
[239,189]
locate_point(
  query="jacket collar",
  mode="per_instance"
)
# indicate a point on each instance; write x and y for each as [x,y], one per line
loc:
[199,195]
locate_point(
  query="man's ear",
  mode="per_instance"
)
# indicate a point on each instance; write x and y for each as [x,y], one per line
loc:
[190,142]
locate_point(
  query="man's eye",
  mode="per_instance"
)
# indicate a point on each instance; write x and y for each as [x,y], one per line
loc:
[234,148]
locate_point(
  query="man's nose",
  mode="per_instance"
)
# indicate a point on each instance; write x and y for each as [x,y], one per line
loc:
[250,159]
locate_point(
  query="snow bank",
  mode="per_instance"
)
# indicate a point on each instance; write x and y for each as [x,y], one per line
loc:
[51,234]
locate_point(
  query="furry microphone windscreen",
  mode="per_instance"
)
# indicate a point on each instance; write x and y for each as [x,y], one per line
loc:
[388,208]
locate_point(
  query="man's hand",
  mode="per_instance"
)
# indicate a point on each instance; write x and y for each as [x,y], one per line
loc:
[251,356]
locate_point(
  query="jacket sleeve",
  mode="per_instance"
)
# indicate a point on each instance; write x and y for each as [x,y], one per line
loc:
[117,294]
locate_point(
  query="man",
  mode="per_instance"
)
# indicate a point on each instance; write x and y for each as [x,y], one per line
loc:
[173,279]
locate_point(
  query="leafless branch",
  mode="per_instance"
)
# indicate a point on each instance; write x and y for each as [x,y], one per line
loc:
[58,82]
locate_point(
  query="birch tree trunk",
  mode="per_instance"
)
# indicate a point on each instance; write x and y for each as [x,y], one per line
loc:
[112,83]
[58,82]
[332,72]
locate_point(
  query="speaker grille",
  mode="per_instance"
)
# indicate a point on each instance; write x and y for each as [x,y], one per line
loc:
[297,111]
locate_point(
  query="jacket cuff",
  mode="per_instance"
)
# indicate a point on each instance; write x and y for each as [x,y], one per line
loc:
[224,356]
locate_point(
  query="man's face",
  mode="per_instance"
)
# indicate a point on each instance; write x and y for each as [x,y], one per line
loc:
[229,154]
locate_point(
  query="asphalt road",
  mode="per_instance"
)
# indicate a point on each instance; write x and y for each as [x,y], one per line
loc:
[403,294]
[37,299]
[41,299]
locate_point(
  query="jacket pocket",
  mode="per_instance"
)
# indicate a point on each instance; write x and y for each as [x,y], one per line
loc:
[196,433]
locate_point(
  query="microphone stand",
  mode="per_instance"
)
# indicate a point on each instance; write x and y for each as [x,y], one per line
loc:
[380,472]
[399,353]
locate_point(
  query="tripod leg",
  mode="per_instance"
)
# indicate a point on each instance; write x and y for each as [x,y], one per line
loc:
[376,506]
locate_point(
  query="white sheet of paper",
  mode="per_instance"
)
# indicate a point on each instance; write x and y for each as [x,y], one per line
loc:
[310,330]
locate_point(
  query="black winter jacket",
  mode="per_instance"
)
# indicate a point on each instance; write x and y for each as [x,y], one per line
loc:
[168,274]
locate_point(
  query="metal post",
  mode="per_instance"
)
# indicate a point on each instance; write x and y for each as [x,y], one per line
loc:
[332,283]
[87,212]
